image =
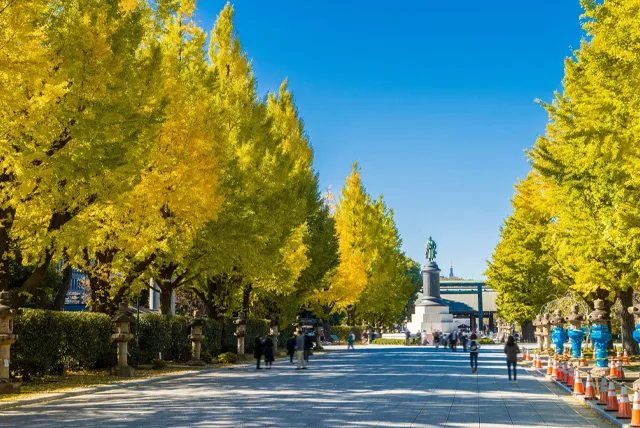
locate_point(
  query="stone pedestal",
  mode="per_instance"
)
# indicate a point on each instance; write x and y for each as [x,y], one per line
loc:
[241,326]
[196,337]
[7,338]
[122,336]
[274,333]
[431,313]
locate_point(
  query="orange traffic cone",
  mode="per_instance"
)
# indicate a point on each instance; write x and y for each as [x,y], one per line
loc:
[565,373]
[603,392]
[570,376]
[613,372]
[589,390]
[635,412]
[625,358]
[620,371]
[578,388]
[612,400]
[565,356]
[539,365]
[554,372]
[555,356]
[624,407]
[549,367]
[559,377]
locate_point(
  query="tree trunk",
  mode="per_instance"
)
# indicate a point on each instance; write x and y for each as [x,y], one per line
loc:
[31,284]
[246,298]
[351,316]
[327,329]
[527,331]
[6,220]
[627,322]
[63,289]
[166,291]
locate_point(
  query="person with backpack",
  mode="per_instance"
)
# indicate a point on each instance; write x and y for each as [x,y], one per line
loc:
[474,347]
[351,340]
[512,350]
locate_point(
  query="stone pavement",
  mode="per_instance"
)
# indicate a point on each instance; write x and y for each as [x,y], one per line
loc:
[372,386]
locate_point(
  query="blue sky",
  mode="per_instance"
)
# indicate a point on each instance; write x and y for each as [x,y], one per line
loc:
[434,99]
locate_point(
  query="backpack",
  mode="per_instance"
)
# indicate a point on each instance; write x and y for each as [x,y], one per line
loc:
[474,346]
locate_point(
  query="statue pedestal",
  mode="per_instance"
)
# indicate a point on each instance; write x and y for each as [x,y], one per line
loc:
[431,314]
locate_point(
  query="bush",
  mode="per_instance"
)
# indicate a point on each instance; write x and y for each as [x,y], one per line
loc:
[206,356]
[50,340]
[227,358]
[158,364]
[486,341]
[381,341]
[342,331]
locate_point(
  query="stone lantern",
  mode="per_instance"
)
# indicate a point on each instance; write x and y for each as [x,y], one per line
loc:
[241,328]
[122,336]
[538,331]
[635,310]
[318,329]
[558,334]
[575,331]
[600,335]
[7,338]
[274,333]
[545,326]
[196,337]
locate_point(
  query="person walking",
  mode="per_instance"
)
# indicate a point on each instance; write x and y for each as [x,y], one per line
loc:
[436,339]
[257,352]
[308,346]
[464,340]
[351,339]
[300,342]
[474,347]
[512,350]
[453,341]
[268,352]
[291,347]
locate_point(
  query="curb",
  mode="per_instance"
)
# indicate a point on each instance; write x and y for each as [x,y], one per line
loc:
[589,403]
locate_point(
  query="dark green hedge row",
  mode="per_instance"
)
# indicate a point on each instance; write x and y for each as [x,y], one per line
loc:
[342,331]
[49,341]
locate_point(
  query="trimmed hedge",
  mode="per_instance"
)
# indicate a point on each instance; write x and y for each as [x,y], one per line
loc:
[50,341]
[381,341]
[342,331]
[486,341]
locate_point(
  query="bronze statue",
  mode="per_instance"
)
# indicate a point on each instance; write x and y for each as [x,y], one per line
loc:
[431,249]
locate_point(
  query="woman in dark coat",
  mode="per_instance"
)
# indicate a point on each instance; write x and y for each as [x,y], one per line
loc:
[268,352]
[257,352]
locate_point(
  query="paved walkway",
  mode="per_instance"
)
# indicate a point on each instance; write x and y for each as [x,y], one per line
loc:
[373,386]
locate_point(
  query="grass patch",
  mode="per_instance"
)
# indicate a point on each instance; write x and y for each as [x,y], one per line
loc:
[85,379]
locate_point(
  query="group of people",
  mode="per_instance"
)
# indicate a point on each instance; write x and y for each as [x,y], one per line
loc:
[300,345]
[471,343]
[451,340]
